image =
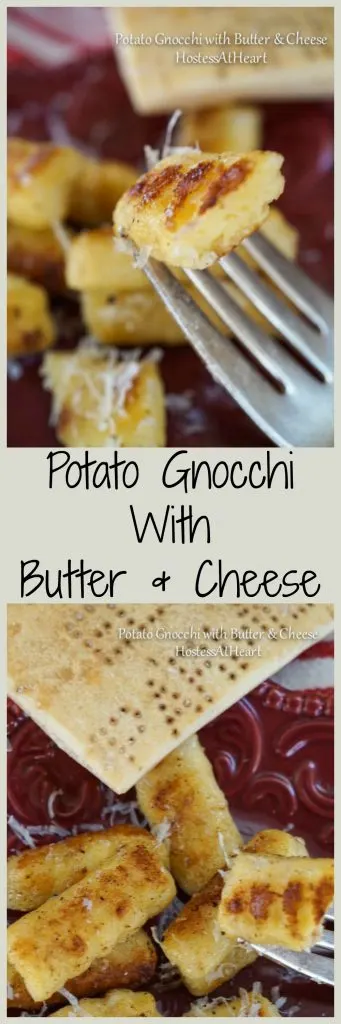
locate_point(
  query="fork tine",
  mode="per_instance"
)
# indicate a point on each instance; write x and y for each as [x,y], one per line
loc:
[304,339]
[318,968]
[326,941]
[307,295]
[330,914]
[287,419]
[243,327]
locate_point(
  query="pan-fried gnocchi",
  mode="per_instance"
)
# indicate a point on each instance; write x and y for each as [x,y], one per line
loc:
[61,938]
[99,399]
[33,876]
[228,129]
[182,797]
[132,962]
[195,944]
[192,208]
[38,256]
[30,326]
[40,177]
[248,1004]
[114,1004]
[99,185]
[94,261]
[129,318]
[276,900]
[274,841]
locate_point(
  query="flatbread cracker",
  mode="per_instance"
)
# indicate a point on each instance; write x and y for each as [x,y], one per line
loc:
[119,705]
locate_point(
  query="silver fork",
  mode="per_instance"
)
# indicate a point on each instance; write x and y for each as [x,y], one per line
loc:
[284,385]
[317,965]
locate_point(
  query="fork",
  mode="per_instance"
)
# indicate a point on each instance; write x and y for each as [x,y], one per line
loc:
[283,384]
[317,965]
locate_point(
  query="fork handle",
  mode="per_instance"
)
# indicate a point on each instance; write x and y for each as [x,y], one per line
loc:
[318,968]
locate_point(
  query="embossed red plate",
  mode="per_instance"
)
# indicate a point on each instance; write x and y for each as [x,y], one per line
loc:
[272,753]
[86,104]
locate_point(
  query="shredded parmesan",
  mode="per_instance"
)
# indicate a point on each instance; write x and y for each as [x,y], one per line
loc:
[223,849]
[14,369]
[21,831]
[10,991]
[61,235]
[51,801]
[74,1002]
[162,831]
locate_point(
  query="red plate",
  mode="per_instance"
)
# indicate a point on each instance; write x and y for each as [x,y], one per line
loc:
[86,105]
[272,754]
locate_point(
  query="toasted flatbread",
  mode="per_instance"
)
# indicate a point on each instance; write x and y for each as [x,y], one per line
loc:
[162,78]
[120,705]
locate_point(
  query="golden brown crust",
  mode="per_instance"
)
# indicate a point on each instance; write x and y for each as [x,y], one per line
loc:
[61,938]
[276,900]
[192,207]
[80,382]
[196,946]
[38,256]
[115,1004]
[30,326]
[33,876]
[40,177]
[98,186]
[182,793]
[131,962]
[249,1004]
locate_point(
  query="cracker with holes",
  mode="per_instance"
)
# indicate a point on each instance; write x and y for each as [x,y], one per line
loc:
[40,177]
[194,942]
[192,208]
[100,399]
[276,900]
[135,702]
[61,938]
[182,797]
[30,327]
[131,962]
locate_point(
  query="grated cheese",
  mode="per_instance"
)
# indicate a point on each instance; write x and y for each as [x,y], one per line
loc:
[74,1002]
[51,801]
[61,235]
[162,831]
[21,831]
